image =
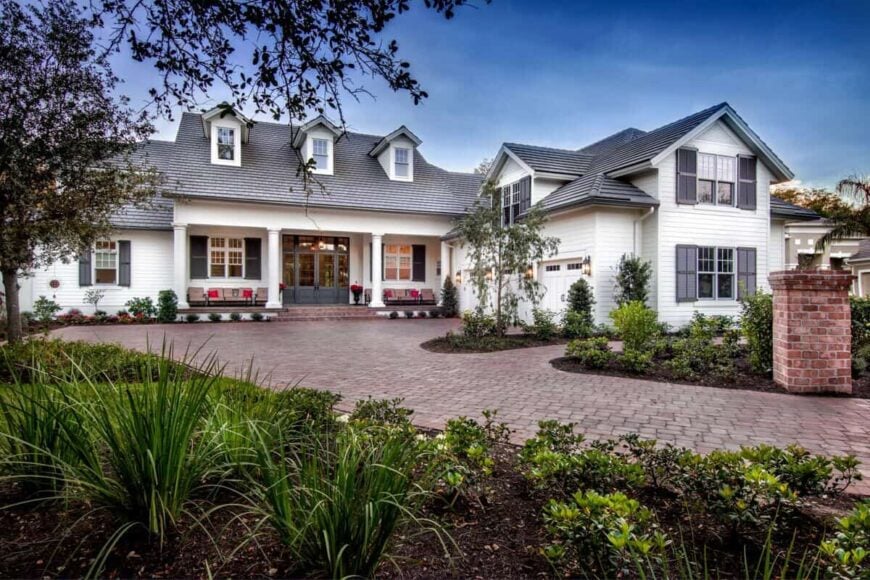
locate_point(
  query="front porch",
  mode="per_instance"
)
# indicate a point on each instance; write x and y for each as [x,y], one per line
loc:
[236,269]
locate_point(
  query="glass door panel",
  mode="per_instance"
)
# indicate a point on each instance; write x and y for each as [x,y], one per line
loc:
[289,278]
[306,280]
[326,291]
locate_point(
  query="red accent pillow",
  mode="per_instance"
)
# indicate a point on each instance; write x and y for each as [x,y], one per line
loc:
[388,293]
[415,293]
[247,293]
[212,293]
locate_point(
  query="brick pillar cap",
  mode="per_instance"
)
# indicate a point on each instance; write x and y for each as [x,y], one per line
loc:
[820,280]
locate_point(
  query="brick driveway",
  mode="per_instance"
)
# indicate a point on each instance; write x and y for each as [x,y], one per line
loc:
[383,359]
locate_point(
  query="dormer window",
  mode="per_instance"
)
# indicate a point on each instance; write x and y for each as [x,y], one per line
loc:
[320,154]
[226,148]
[403,163]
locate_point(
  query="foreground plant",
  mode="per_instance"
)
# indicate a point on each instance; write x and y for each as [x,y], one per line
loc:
[848,553]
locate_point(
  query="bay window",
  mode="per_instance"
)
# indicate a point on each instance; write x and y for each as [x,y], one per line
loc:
[398,259]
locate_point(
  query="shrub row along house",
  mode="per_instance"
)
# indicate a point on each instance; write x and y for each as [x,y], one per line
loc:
[691,197]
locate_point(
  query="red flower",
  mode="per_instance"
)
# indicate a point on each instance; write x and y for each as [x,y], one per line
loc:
[356,288]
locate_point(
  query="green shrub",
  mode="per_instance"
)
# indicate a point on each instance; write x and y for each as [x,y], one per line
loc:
[257,316]
[421,314]
[382,412]
[192,317]
[45,309]
[93,296]
[434,313]
[235,316]
[860,334]
[633,274]
[601,533]
[167,306]
[698,355]
[409,314]
[847,554]
[337,510]
[578,319]
[594,468]
[635,362]
[592,353]
[141,307]
[552,436]
[576,325]
[543,325]
[636,325]
[449,298]
[478,324]
[756,322]
[215,316]
[394,315]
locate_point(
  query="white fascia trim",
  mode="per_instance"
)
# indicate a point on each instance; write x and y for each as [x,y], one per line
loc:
[744,132]
[500,158]
[320,120]
[559,176]
[385,141]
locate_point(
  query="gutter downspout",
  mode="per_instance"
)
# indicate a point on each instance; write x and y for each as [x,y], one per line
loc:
[636,232]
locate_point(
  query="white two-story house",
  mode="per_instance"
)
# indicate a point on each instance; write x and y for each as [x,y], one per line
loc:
[692,197]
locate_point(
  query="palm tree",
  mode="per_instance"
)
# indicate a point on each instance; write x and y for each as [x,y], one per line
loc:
[853,221]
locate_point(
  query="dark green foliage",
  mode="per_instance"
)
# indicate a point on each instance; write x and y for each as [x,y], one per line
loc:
[421,314]
[592,353]
[192,317]
[860,334]
[257,316]
[409,314]
[543,325]
[697,354]
[235,316]
[449,298]
[167,306]
[394,315]
[756,323]
[576,325]
[215,317]
[636,325]
[847,553]
[45,309]
[578,321]
[435,313]
[382,412]
[478,325]
[635,362]
[632,277]
[141,307]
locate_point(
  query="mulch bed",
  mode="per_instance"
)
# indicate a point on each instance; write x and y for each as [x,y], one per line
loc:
[499,539]
[458,344]
[744,379]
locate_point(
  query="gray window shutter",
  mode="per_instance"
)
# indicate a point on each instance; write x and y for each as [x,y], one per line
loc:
[418,272]
[746,272]
[199,257]
[687,273]
[253,258]
[525,194]
[85,268]
[687,176]
[124,262]
[746,182]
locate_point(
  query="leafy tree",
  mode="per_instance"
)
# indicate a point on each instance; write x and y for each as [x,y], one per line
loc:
[449,299]
[632,278]
[850,221]
[501,256]
[484,166]
[65,142]
[822,201]
[579,320]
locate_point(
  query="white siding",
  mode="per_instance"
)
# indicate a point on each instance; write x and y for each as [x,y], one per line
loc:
[648,231]
[151,271]
[542,187]
[776,250]
[511,171]
[708,225]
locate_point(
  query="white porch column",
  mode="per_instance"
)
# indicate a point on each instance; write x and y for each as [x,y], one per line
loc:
[446,270]
[274,268]
[377,272]
[179,263]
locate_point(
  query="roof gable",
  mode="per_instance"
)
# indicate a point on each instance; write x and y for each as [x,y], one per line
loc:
[385,142]
[551,160]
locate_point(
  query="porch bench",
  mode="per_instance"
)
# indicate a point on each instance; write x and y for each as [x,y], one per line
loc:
[225,296]
[405,297]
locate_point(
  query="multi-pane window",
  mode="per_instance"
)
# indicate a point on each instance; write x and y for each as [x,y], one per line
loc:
[226,143]
[320,153]
[716,273]
[106,262]
[717,175]
[575,266]
[553,267]
[226,257]
[397,261]
[510,203]
[403,162]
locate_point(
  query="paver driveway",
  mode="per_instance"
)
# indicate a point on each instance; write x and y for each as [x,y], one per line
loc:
[383,359]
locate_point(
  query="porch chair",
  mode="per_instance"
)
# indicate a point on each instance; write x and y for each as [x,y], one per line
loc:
[196,296]
[367,295]
[427,296]
[261,297]
[215,296]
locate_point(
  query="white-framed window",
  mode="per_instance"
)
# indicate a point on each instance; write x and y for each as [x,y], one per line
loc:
[106,262]
[402,162]
[575,266]
[717,176]
[226,257]
[506,205]
[553,267]
[398,260]
[226,143]
[716,273]
[320,154]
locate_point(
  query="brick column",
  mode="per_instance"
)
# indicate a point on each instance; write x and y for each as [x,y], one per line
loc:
[812,334]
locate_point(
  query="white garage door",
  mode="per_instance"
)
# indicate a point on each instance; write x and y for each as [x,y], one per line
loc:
[557,278]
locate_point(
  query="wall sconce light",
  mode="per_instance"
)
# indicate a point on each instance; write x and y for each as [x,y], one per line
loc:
[530,272]
[458,277]
[489,275]
[587,266]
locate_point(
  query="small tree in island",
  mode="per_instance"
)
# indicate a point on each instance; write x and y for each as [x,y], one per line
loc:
[502,256]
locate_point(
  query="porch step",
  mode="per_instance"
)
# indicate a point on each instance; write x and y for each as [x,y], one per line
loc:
[303,313]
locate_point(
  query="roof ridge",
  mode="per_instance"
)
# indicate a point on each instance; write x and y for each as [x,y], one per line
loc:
[559,149]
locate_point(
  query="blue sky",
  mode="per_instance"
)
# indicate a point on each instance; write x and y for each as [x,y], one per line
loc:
[564,74]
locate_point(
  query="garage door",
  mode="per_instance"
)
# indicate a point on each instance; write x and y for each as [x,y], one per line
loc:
[557,278]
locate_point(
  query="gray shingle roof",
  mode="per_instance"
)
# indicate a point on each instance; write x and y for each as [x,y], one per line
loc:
[596,188]
[780,208]
[612,141]
[551,160]
[268,174]
[158,214]
[863,252]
